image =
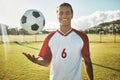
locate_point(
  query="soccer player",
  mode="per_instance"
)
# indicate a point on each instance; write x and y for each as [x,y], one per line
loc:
[64,49]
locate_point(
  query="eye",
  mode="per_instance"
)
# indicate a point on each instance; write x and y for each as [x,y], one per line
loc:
[67,13]
[60,13]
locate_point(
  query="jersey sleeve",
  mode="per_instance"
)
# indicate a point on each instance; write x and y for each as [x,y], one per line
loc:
[45,51]
[85,49]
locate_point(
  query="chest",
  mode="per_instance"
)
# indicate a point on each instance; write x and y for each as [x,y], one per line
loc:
[71,42]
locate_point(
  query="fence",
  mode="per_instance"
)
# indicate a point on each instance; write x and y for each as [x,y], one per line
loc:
[32,38]
[104,38]
[23,38]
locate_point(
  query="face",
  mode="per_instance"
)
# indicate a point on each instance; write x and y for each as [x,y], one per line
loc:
[64,15]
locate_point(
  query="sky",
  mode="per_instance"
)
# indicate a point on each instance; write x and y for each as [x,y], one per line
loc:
[86,12]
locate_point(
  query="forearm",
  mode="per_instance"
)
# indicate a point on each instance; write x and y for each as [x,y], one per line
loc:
[37,60]
[41,61]
[89,68]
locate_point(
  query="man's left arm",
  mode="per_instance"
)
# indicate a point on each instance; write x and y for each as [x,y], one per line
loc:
[89,68]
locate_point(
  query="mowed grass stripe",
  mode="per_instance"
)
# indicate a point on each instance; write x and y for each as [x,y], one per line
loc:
[17,67]
[105,57]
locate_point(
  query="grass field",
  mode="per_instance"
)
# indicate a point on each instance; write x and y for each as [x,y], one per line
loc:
[105,58]
[107,38]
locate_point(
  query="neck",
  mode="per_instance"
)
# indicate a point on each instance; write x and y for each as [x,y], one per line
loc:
[65,29]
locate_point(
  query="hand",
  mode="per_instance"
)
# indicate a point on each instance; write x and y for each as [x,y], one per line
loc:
[31,57]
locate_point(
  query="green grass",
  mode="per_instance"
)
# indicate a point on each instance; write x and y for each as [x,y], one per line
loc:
[17,67]
[105,58]
[107,38]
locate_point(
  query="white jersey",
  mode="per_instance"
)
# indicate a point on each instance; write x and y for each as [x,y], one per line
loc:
[65,52]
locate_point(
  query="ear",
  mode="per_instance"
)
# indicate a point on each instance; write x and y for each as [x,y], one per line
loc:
[71,16]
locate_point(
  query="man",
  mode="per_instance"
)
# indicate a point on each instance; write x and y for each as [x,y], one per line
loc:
[64,49]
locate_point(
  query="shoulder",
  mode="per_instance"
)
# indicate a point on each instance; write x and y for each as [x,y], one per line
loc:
[51,34]
[81,34]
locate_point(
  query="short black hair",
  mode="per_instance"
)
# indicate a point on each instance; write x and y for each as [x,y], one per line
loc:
[66,4]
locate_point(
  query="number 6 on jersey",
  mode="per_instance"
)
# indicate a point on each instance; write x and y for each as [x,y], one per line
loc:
[64,54]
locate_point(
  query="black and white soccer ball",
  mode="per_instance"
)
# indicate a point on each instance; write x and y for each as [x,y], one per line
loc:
[33,21]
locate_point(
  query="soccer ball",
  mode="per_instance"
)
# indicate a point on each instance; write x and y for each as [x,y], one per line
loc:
[33,21]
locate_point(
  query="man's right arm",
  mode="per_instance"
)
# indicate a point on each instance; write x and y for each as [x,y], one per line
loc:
[41,61]
[36,60]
